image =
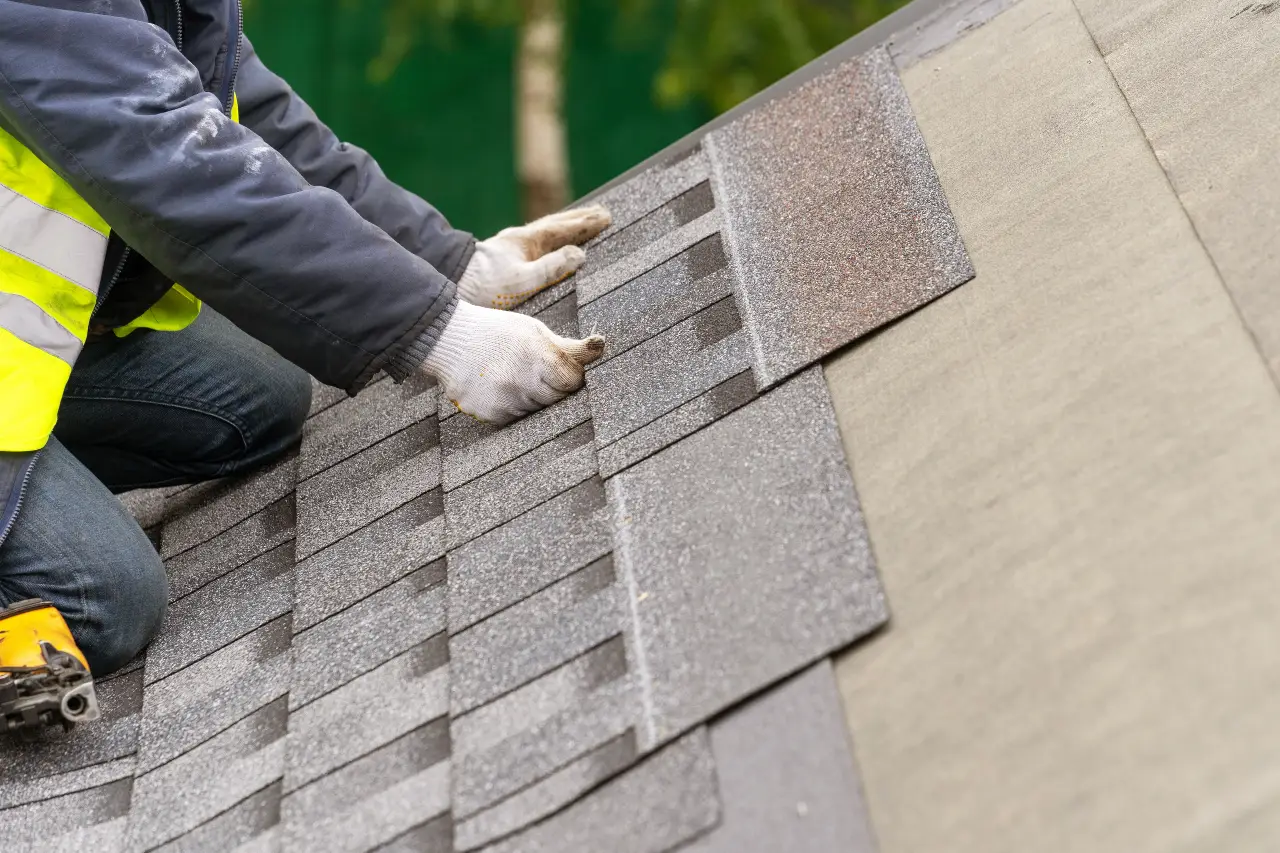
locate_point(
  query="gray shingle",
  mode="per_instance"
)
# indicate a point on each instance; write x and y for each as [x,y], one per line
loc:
[635,199]
[94,819]
[367,634]
[209,696]
[209,561]
[18,789]
[548,795]
[519,485]
[368,712]
[787,209]
[620,242]
[678,423]
[667,371]
[432,836]
[245,822]
[560,316]
[53,752]
[660,298]
[323,396]
[596,285]
[524,760]
[342,499]
[381,410]
[201,512]
[787,774]
[653,808]
[561,689]
[745,553]
[177,797]
[400,542]
[472,448]
[374,799]
[528,553]
[534,636]
[223,611]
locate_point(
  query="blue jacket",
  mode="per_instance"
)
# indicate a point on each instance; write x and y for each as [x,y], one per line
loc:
[297,238]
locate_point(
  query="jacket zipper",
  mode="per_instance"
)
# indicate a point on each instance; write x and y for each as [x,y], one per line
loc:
[115,276]
[177,11]
[229,85]
[22,493]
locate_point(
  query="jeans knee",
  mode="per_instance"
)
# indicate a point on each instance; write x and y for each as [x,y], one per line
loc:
[285,400]
[124,611]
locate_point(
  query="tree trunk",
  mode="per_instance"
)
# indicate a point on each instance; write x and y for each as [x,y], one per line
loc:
[542,160]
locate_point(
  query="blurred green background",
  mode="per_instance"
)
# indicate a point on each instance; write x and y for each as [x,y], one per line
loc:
[428,86]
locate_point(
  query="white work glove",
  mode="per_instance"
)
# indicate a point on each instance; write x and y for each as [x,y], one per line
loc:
[518,262]
[497,366]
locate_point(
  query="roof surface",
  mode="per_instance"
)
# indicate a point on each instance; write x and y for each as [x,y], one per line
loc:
[605,627]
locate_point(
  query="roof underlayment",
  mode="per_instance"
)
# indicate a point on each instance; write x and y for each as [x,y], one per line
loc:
[605,627]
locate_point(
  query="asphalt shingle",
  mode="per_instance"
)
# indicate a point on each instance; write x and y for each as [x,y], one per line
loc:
[745,554]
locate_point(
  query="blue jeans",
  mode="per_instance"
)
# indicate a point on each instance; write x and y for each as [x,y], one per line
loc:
[151,409]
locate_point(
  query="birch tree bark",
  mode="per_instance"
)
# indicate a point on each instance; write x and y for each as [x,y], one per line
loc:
[542,161]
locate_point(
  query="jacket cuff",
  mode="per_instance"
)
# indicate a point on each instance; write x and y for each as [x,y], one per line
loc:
[407,360]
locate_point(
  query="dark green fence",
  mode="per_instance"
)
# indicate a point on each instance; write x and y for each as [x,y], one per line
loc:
[442,125]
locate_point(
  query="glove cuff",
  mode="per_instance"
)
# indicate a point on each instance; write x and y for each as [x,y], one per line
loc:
[409,359]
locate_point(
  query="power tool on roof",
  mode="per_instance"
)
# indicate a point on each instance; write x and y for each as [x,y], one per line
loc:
[44,679]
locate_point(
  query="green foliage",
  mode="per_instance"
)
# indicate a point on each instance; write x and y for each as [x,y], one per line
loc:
[720,52]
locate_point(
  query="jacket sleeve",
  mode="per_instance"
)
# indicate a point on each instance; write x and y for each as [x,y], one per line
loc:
[276,113]
[112,106]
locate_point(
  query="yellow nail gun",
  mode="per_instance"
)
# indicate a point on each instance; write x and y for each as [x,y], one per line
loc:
[44,678]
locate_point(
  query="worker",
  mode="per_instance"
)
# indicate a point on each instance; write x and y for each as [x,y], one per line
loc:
[143,143]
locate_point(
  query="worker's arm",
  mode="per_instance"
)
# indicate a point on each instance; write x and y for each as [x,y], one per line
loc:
[112,106]
[275,112]
[498,273]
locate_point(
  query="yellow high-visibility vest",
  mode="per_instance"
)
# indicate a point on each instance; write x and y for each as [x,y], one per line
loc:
[52,248]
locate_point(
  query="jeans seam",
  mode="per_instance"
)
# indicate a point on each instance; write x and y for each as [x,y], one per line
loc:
[186,404]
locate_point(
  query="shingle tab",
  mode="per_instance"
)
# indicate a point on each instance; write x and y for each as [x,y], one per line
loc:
[375,799]
[196,703]
[528,553]
[535,636]
[557,737]
[596,285]
[674,425]
[344,498]
[519,485]
[548,795]
[223,611]
[788,205]
[472,448]
[667,371]
[653,808]
[367,634]
[87,820]
[234,547]
[745,553]
[660,298]
[379,412]
[368,712]
[19,790]
[655,187]
[201,512]
[620,242]
[380,554]
[178,797]
[787,775]
[242,824]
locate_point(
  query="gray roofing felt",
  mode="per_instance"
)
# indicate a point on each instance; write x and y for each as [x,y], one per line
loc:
[581,632]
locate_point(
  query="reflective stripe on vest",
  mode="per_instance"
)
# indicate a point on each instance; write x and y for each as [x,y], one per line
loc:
[52,245]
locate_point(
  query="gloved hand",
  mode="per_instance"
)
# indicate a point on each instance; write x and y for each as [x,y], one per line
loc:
[498,366]
[509,268]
